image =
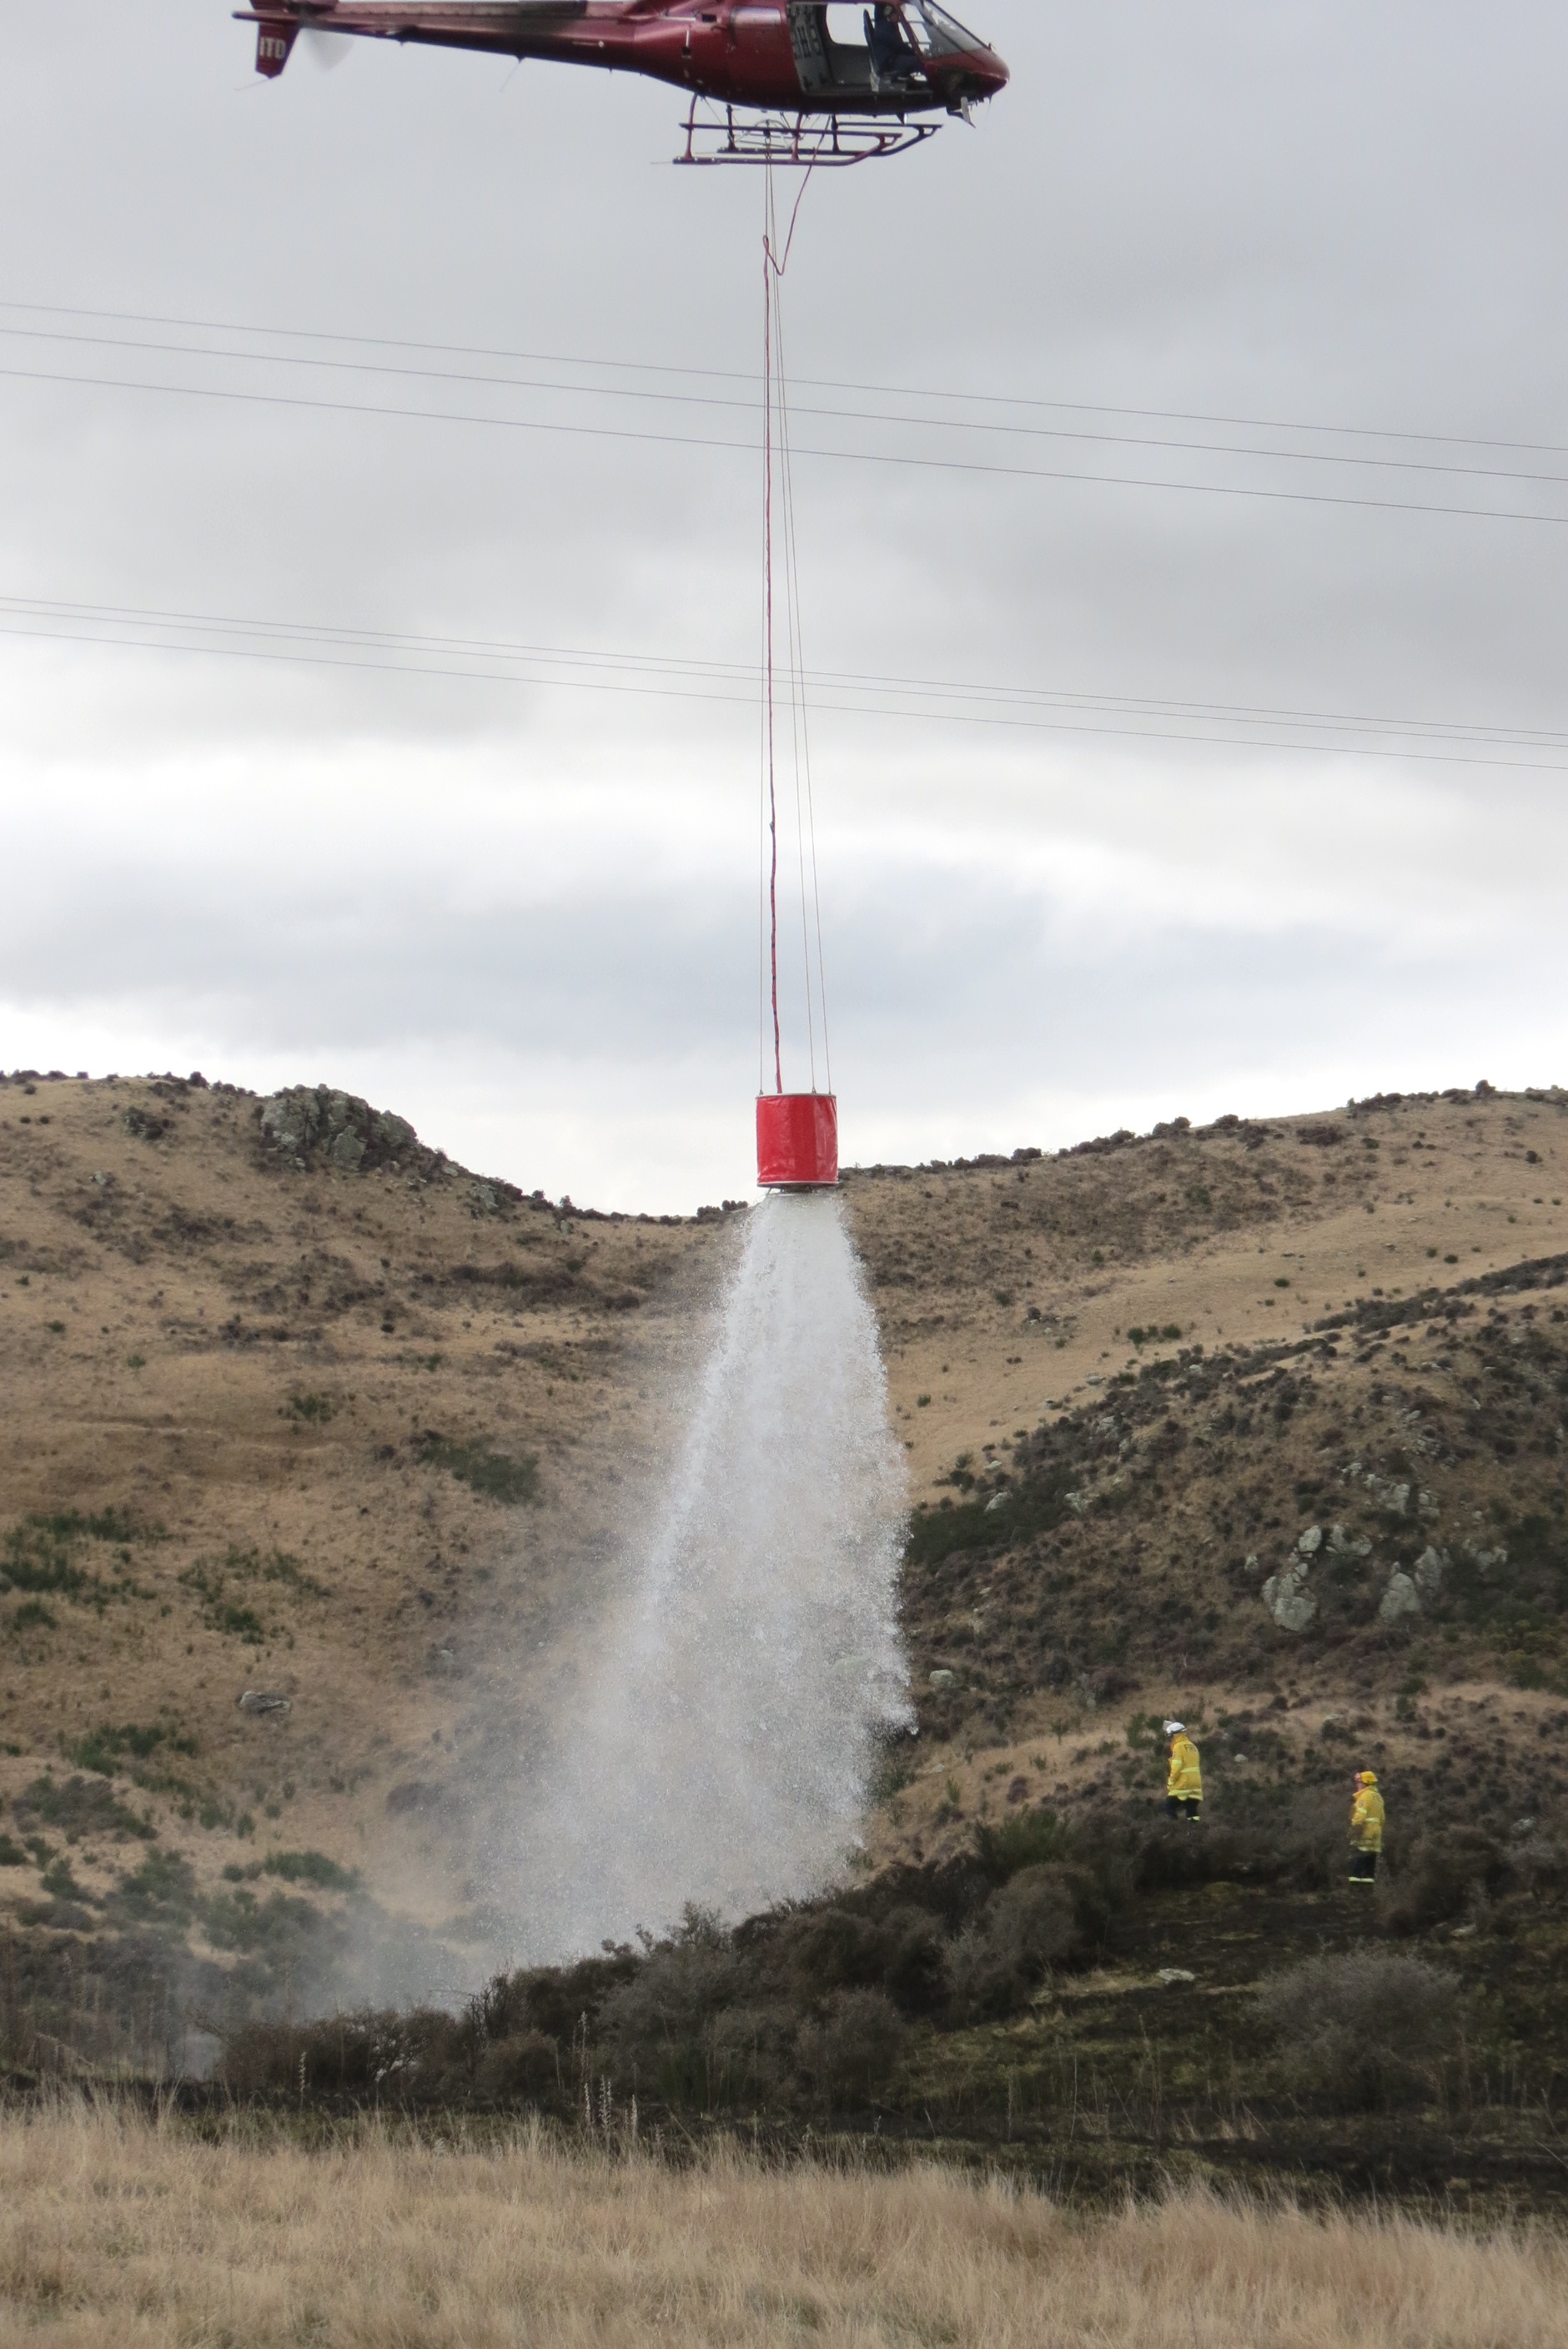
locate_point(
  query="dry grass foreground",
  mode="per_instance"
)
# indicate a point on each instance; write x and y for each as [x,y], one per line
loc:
[110,2229]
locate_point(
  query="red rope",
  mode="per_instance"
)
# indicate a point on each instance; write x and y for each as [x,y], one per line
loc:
[774,265]
[768,625]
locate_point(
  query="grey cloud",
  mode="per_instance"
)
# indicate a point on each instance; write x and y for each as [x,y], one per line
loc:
[1312,212]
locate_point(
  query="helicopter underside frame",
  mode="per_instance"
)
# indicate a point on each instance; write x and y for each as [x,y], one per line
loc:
[823,141]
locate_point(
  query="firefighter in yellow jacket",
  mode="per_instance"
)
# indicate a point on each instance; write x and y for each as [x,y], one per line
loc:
[1185,1787]
[1366,1828]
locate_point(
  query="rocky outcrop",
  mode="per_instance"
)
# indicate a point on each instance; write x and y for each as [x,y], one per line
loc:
[1428,1571]
[309,1127]
[309,1124]
[1401,1598]
[1286,1596]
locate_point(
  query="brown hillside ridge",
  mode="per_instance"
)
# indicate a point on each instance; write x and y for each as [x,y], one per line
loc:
[298,1407]
[295,1407]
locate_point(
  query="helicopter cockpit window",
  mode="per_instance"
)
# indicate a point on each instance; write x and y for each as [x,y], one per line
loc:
[844,24]
[936,34]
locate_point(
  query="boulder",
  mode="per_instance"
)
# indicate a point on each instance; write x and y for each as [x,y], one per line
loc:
[1311,1541]
[1401,1598]
[264,1701]
[1395,1498]
[1428,1576]
[942,1680]
[1344,1545]
[1288,1599]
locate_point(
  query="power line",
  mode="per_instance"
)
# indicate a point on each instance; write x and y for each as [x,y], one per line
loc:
[880,457]
[858,693]
[811,383]
[882,417]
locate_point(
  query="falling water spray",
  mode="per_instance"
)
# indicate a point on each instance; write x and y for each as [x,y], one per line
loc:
[721,1752]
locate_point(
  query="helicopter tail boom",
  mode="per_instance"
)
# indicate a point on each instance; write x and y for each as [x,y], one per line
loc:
[275,37]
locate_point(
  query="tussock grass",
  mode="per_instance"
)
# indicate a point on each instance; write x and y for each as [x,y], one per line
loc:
[116,2229]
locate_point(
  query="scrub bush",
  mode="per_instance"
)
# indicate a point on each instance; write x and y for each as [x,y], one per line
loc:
[1446,1876]
[818,1950]
[519,2070]
[492,1474]
[379,2057]
[1027,1840]
[1034,1922]
[854,2050]
[81,1806]
[1363,2030]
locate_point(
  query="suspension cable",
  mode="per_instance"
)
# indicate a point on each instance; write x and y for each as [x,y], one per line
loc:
[776,469]
[806,822]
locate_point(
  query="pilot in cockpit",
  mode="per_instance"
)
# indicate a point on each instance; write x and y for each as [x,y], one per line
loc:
[894,59]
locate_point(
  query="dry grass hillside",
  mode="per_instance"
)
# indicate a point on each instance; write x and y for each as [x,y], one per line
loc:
[1260,1423]
[295,1410]
[298,1410]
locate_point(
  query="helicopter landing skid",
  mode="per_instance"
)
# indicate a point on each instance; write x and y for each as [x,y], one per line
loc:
[825,142]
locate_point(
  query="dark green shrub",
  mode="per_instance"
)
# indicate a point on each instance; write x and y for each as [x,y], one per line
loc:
[822,1950]
[104,1750]
[223,1610]
[307,1406]
[1035,1506]
[525,2069]
[309,1867]
[276,1928]
[1445,1877]
[97,1525]
[1034,1922]
[1370,2029]
[162,1894]
[36,1560]
[81,1807]
[839,1947]
[914,1975]
[491,1473]
[1028,1840]
[852,2050]
[59,1883]
[373,2057]
[559,2001]
[655,2031]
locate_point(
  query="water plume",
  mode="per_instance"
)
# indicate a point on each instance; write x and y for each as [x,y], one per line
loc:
[721,1747]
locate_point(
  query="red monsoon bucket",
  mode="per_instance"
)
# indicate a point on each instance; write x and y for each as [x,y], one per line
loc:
[797,1142]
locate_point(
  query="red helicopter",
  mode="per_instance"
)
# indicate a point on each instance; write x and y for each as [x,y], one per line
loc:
[806,94]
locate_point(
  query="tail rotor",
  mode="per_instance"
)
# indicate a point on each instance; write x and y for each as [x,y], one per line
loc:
[327,50]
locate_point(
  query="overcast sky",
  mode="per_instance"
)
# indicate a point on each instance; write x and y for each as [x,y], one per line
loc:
[512,896]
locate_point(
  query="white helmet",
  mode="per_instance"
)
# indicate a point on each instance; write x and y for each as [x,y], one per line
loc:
[1175,1728]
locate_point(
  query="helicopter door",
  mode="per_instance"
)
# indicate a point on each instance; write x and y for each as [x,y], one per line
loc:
[830,54]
